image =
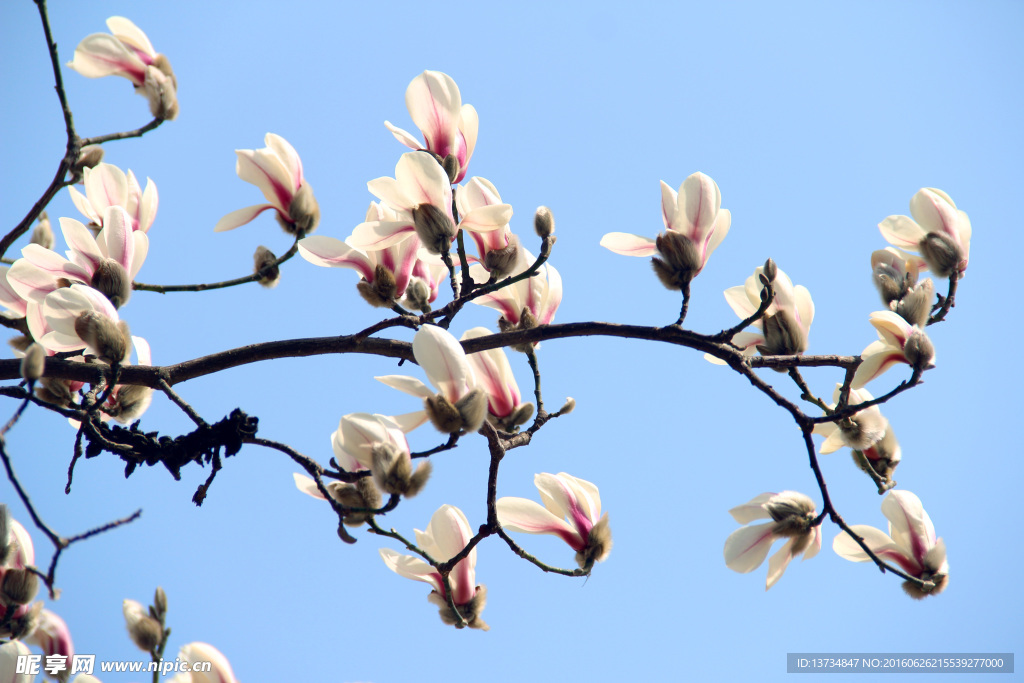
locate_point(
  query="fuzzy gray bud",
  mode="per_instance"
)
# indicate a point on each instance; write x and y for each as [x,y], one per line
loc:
[568,406]
[304,212]
[792,512]
[19,586]
[33,362]
[110,341]
[513,420]
[451,167]
[916,305]
[679,260]
[941,253]
[543,222]
[919,351]
[769,271]
[265,266]
[434,228]
[146,633]
[160,601]
[892,284]
[500,262]
[55,391]
[417,295]
[42,234]
[161,89]
[381,292]
[112,281]
[783,336]
[130,401]
[392,471]
[88,157]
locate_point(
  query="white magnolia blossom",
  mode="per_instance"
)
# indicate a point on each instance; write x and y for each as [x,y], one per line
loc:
[505,407]
[448,126]
[911,543]
[525,304]
[899,342]
[938,230]
[106,185]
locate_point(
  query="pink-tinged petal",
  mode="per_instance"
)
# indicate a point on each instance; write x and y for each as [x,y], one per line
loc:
[240,217]
[494,374]
[669,201]
[563,496]
[80,239]
[815,547]
[267,172]
[901,231]
[778,562]
[408,385]
[345,459]
[746,548]
[406,138]
[10,299]
[423,181]
[24,553]
[391,193]
[81,203]
[892,327]
[52,635]
[115,239]
[752,509]
[475,193]
[288,157]
[965,234]
[307,485]
[628,245]
[487,218]
[377,235]
[101,54]
[321,250]
[934,211]
[876,539]
[130,34]
[106,185]
[443,359]
[526,516]
[435,106]
[451,532]
[553,297]
[909,524]
[698,203]
[503,300]
[804,307]
[35,276]
[412,568]
[203,652]
[875,360]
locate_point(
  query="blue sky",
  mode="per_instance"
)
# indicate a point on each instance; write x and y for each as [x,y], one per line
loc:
[817,120]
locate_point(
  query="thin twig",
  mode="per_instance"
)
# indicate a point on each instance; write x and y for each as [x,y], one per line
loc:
[255,277]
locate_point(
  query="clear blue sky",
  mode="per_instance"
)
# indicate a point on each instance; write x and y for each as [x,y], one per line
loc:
[817,120]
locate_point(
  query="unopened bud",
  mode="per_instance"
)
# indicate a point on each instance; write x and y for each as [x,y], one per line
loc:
[679,260]
[891,283]
[919,351]
[417,295]
[33,362]
[20,343]
[109,341]
[501,262]
[129,403]
[265,266]
[451,167]
[88,157]
[517,417]
[112,281]
[769,271]
[161,90]
[19,586]
[42,234]
[543,222]
[443,415]
[304,212]
[434,227]
[568,406]
[783,336]
[54,391]
[916,306]
[392,471]
[792,512]
[160,601]
[145,631]
[941,253]
[381,292]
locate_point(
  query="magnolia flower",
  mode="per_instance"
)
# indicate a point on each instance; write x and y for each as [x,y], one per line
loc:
[14,305]
[277,171]
[378,443]
[498,249]
[894,272]
[129,54]
[107,262]
[106,185]
[564,497]
[792,516]
[195,653]
[527,303]
[446,536]
[402,271]
[494,375]
[421,196]
[786,323]
[910,543]
[79,317]
[448,126]
[900,342]
[938,230]
[145,631]
[459,405]
[695,225]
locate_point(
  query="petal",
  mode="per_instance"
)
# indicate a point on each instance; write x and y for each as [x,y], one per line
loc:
[487,218]
[80,240]
[412,568]
[288,157]
[669,201]
[526,516]
[901,231]
[408,385]
[628,245]
[909,524]
[435,106]
[740,302]
[698,204]
[403,136]
[494,374]
[876,539]
[269,173]
[753,509]
[322,250]
[746,548]
[934,211]
[377,235]
[130,34]
[240,217]
[423,181]
[115,239]
[101,54]
[106,185]
[778,563]
[443,359]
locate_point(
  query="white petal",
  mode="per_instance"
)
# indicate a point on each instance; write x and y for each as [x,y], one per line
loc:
[441,356]
[746,548]
[628,245]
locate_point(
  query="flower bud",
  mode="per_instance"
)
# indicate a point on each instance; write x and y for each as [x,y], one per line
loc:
[265,266]
[392,471]
[417,295]
[517,417]
[112,281]
[918,350]
[543,222]
[891,283]
[472,409]
[599,544]
[568,406]
[304,212]
[88,157]
[679,260]
[470,611]
[792,512]
[434,228]
[941,253]
[450,164]
[882,457]
[129,403]
[769,271]
[110,341]
[160,601]
[42,234]
[381,292]
[362,494]
[161,91]
[33,362]
[782,335]
[916,305]
[19,586]
[500,262]
[54,391]
[145,631]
